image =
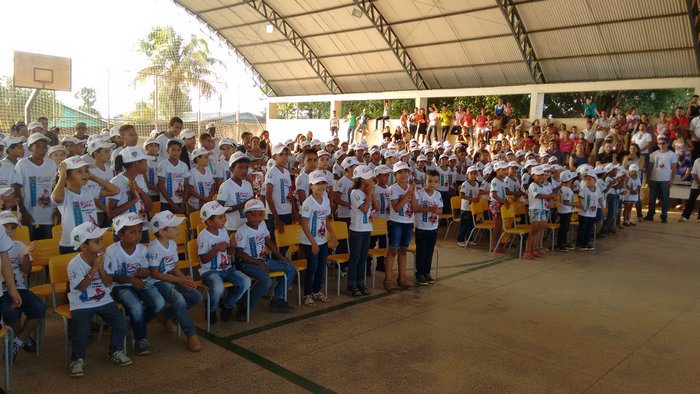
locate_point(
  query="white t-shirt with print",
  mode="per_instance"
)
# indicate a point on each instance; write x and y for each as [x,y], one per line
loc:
[6,244]
[232,194]
[344,187]
[468,190]
[302,184]
[317,214]
[428,220]
[205,243]
[359,221]
[405,214]
[533,191]
[202,183]
[446,180]
[384,199]
[76,209]
[499,187]
[661,163]
[152,173]
[96,294]
[281,184]
[118,261]
[252,241]
[7,173]
[15,256]
[175,177]
[633,184]
[165,259]
[95,188]
[37,185]
[565,194]
[124,195]
[589,201]
[222,170]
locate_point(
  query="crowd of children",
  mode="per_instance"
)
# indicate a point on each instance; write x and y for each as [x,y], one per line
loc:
[245,197]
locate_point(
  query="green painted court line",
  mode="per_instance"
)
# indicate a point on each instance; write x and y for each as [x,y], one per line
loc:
[266,364]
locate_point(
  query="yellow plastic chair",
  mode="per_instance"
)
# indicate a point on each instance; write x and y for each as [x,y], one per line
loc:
[508,219]
[56,231]
[58,276]
[181,238]
[341,235]
[194,221]
[455,207]
[481,224]
[43,251]
[50,289]
[194,262]
[22,234]
[292,237]
[155,209]
[108,238]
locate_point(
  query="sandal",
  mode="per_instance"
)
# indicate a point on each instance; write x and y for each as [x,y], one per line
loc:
[364,290]
[390,286]
[320,297]
[356,292]
[404,284]
[309,300]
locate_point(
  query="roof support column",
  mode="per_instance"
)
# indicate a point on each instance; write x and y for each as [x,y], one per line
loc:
[536,105]
[421,102]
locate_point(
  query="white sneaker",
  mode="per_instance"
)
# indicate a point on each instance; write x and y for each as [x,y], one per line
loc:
[473,243]
[682,219]
[120,358]
[461,244]
[77,368]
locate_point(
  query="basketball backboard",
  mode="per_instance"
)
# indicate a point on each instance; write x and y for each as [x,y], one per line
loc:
[36,71]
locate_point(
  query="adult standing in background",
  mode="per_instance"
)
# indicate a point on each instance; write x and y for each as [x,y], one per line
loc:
[80,131]
[174,129]
[210,129]
[643,139]
[458,120]
[694,135]
[386,115]
[662,166]
[446,118]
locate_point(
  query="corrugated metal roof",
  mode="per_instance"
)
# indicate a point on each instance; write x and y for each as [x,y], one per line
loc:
[457,43]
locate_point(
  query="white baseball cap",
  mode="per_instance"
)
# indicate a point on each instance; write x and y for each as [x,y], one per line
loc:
[279,148]
[520,153]
[324,152]
[114,132]
[37,137]
[226,141]
[165,219]
[514,164]
[126,219]
[212,208]
[236,157]
[610,167]
[100,143]
[546,167]
[7,217]
[500,165]
[349,162]
[209,126]
[187,133]
[390,153]
[382,169]
[200,152]
[553,159]
[634,167]
[453,157]
[69,139]
[55,149]
[566,176]
[599,170]
[149,142]
[253,205]
[315,142]
[317,177]
[85,232]
[472,169]
[557,167]
[421,158]
[363,171]
[131,154]
[13,140]
[75,162]
[400,166]
[537,170]
[34,125]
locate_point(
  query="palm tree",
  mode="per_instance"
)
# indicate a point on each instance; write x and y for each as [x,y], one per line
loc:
[178,64]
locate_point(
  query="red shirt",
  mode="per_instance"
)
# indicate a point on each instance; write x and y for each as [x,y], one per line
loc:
[678,124]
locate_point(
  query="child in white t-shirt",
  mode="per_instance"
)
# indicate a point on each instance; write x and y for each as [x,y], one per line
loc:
[469,193]
[631,193]
[90,287]
[342,190]
[362,202]
[31,306]
[590,201]
[428,206]
[214,247]
[152,147]
[316,237]
[565,210]
[278,192]
[201,179]
[100,150]
[401,221]
[539,197]
[177,289]
[236,191]
[309,159]
[172,180]
[252,243]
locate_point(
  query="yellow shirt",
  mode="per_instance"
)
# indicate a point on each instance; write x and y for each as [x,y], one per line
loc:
[446,117]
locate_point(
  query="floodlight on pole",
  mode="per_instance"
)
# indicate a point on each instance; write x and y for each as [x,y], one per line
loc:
[269,28]
[356,12]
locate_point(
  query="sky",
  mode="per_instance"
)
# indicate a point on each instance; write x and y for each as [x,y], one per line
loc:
[101,36]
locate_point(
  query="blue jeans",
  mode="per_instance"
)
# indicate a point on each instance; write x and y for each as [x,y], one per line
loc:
[425,246]
[40,231]
[264,282]
[270,223]
[82,321]
[611,202]
[315,268]
[139,313]
[32,306]
[66,249]
[661,191]
[586,227]
[466,224]
[180,299]
[400,234]
[214,280]
[359,249]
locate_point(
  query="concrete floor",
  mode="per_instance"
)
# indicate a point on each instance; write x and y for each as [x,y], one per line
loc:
[623,318]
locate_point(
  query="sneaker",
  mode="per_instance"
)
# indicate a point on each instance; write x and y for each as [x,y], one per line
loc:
[569,247]
[473,243]
[648,219]
[142,347]
[430,279]
[355,292]
[120,358]
[77,368]
[561,248]
[631,224]
[320,296]
[682,219]
[589,247]
[29,345]
[626,224]
[364,290]
[461,244]
[280,306]
[422,280]
[226,314]
[16,347]
[583,248]
[308,300]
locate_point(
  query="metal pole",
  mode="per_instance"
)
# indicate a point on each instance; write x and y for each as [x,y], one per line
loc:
[156,107]
[28,105]
[109,116]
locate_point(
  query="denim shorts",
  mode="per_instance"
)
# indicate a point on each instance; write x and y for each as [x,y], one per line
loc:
[539,215]
[400,234]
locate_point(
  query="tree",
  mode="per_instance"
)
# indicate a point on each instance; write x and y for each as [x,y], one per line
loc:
[87,97]
[651,102]
[179,65]
[144,112]
[12,102]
